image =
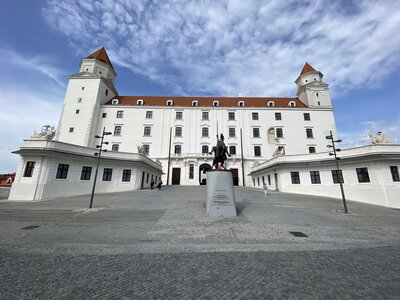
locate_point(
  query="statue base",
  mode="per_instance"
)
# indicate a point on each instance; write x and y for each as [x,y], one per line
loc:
[220,194]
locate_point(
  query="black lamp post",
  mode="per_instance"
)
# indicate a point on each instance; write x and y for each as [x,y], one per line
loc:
[339,175]
[98,154]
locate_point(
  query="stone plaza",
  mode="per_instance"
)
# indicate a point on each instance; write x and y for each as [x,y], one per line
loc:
[153,244]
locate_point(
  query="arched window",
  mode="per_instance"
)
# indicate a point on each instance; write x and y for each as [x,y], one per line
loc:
[292,103]
[195,103]
[241,103]
[215,103]
[139,102]
[271,103]
[114,102]
[271,136]
[170,102]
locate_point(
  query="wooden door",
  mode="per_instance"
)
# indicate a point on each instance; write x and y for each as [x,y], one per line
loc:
[176,176]
[235,176]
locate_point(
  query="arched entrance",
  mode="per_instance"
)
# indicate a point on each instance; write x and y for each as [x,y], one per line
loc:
[203,169]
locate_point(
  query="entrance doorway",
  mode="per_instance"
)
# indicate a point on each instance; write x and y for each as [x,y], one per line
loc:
[235,176]
[203,169]
[142,181]
[276,182]
[176,176]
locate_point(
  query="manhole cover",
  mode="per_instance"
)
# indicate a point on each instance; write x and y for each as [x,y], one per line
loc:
[30,227]
[298,234]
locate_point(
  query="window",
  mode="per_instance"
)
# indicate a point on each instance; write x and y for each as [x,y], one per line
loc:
[83,88]
[106,91]
[178,149]
[79,100]
[30,165]
[147,178]
[269,179]
[104,115]
[317,94]
[107,174]
[319,103]
[204,149]
[146,149]
[204,115]
[231,116]
[77,111]
[215,103]
[179,115]
[170,102]
[195,103]
[241,103]
[292,103]
[62,171]
[256,132]
[149,114]
[86,172]
[258,181]
[232,150]
[263,179]
[395,173]
[191,171]
[71,129]
[178,131]
[362,175]
[279,132]
[204,131]
[126,175]
[311,149]
[306,116]
[114,102]
[232,132]
[278,116]
[254,181]
[257,151]
[254,116]
[335,176]
[271,136]
[117,130]
[115,147]
[271,103]
[295,177]
[120,114]
[139,102]
[147,131]
[309,133]
[315,179]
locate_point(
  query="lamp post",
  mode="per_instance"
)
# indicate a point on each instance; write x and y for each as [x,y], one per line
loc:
[340,176]
[98,154]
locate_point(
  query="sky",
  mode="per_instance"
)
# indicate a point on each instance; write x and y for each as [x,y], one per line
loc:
[201,48]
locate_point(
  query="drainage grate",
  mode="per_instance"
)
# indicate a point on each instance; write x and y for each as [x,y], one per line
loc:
[298,234]
[30,227]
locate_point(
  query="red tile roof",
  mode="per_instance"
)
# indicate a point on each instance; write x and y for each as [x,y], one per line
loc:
[206,101]
[101,55]
[307,68]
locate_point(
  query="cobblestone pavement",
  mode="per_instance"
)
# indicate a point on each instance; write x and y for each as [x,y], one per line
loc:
[161,245]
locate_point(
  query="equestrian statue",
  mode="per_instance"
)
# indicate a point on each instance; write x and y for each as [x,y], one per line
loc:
[220,153]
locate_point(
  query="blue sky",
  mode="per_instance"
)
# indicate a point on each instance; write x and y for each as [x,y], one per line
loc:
[201,48]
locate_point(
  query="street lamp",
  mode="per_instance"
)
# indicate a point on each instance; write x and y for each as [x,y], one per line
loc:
[98,154]
[340,176]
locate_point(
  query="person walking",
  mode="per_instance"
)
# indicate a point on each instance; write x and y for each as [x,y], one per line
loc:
[159,185]
[265,188]
[152,184]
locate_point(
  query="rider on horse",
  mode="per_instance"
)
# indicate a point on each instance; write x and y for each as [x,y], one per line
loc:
[220,152]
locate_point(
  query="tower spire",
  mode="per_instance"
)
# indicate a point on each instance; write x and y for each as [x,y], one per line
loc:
[101,55]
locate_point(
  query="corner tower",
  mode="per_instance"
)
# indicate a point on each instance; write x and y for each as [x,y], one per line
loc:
[86,92]
[311,89]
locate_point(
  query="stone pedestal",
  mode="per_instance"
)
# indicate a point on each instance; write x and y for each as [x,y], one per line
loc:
[220,195]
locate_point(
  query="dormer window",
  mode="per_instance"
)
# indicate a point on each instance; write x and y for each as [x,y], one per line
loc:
[271,103]
[292,103]
[215,103]
[195,103]
[139,102]
[114,102]
[170,102]
[317,94]
[241,103]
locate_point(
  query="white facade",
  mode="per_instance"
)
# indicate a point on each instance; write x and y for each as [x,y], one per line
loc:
[378,184]
[91,104]
[39,175]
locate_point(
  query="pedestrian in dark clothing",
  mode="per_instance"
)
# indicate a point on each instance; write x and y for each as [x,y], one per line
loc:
[159,185]
[152,184]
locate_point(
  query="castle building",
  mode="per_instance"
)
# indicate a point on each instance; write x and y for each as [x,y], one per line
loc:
[168,138]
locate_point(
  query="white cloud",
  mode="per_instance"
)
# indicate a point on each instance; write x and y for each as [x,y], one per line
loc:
[256,47]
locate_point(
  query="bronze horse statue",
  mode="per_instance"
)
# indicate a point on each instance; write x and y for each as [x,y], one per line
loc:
[220,153]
